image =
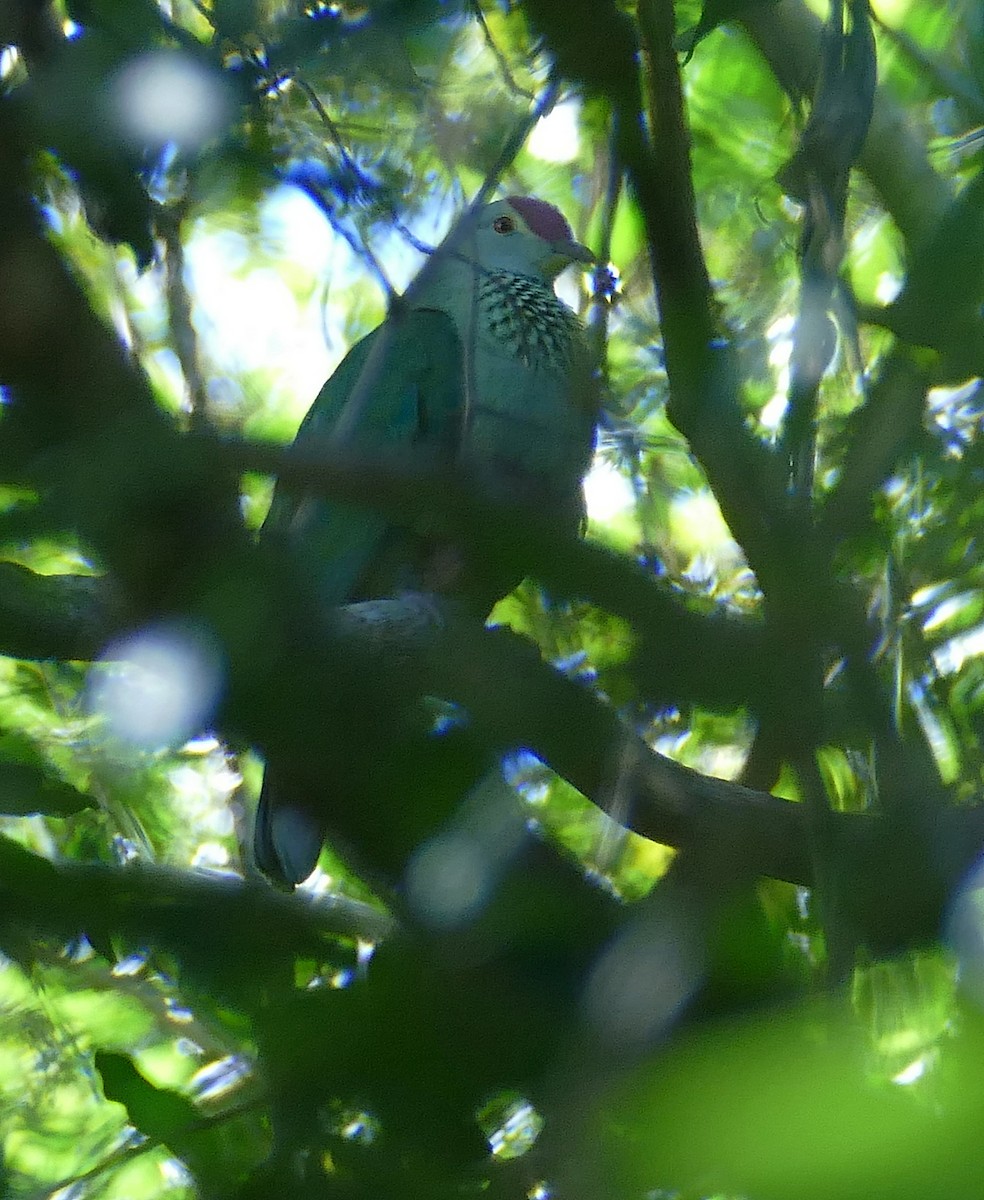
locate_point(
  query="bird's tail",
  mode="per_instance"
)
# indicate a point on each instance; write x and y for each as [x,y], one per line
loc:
[287,838]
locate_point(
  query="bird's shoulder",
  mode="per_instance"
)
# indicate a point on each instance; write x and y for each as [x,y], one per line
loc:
[410,366]
[415,352]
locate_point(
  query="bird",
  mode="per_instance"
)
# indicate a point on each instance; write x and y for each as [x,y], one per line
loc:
[481,365]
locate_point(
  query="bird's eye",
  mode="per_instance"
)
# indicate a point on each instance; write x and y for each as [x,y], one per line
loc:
[504,225]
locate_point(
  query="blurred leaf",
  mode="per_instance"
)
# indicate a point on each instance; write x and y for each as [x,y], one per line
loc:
[944,284]
[25,789]
[163,1116]
[794,1078]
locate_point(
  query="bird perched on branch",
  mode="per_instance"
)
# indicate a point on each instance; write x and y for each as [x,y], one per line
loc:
[479,364]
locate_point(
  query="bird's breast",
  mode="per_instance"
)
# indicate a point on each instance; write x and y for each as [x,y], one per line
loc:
[528,418]
[519,317]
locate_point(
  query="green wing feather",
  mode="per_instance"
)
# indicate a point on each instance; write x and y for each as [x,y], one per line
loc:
[416,399]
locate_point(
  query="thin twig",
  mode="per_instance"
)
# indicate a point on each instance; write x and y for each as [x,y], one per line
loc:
[131,1149]
[351,417]
[360,246]
[181,328]
[497,54]
[334,130]
[603,297]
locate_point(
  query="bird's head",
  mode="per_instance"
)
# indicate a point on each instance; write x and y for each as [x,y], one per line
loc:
[522,235]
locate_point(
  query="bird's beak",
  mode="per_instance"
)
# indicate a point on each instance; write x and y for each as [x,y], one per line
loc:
[562,253]
[572,251]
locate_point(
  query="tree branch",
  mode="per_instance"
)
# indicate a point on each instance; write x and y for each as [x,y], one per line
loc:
[64,617]
[231,917]
[787,35]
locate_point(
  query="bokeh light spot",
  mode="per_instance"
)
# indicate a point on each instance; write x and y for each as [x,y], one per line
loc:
[166,96]
[157,687]
[448,879]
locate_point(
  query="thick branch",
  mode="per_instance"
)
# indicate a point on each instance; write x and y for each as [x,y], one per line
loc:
[701,366]
[230,917]
[514,697]
[83,427]
[516,700]
[64,617]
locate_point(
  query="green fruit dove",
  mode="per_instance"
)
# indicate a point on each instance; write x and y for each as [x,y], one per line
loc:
[484,367]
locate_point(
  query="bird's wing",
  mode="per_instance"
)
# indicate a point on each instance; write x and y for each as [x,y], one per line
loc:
[415,399]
